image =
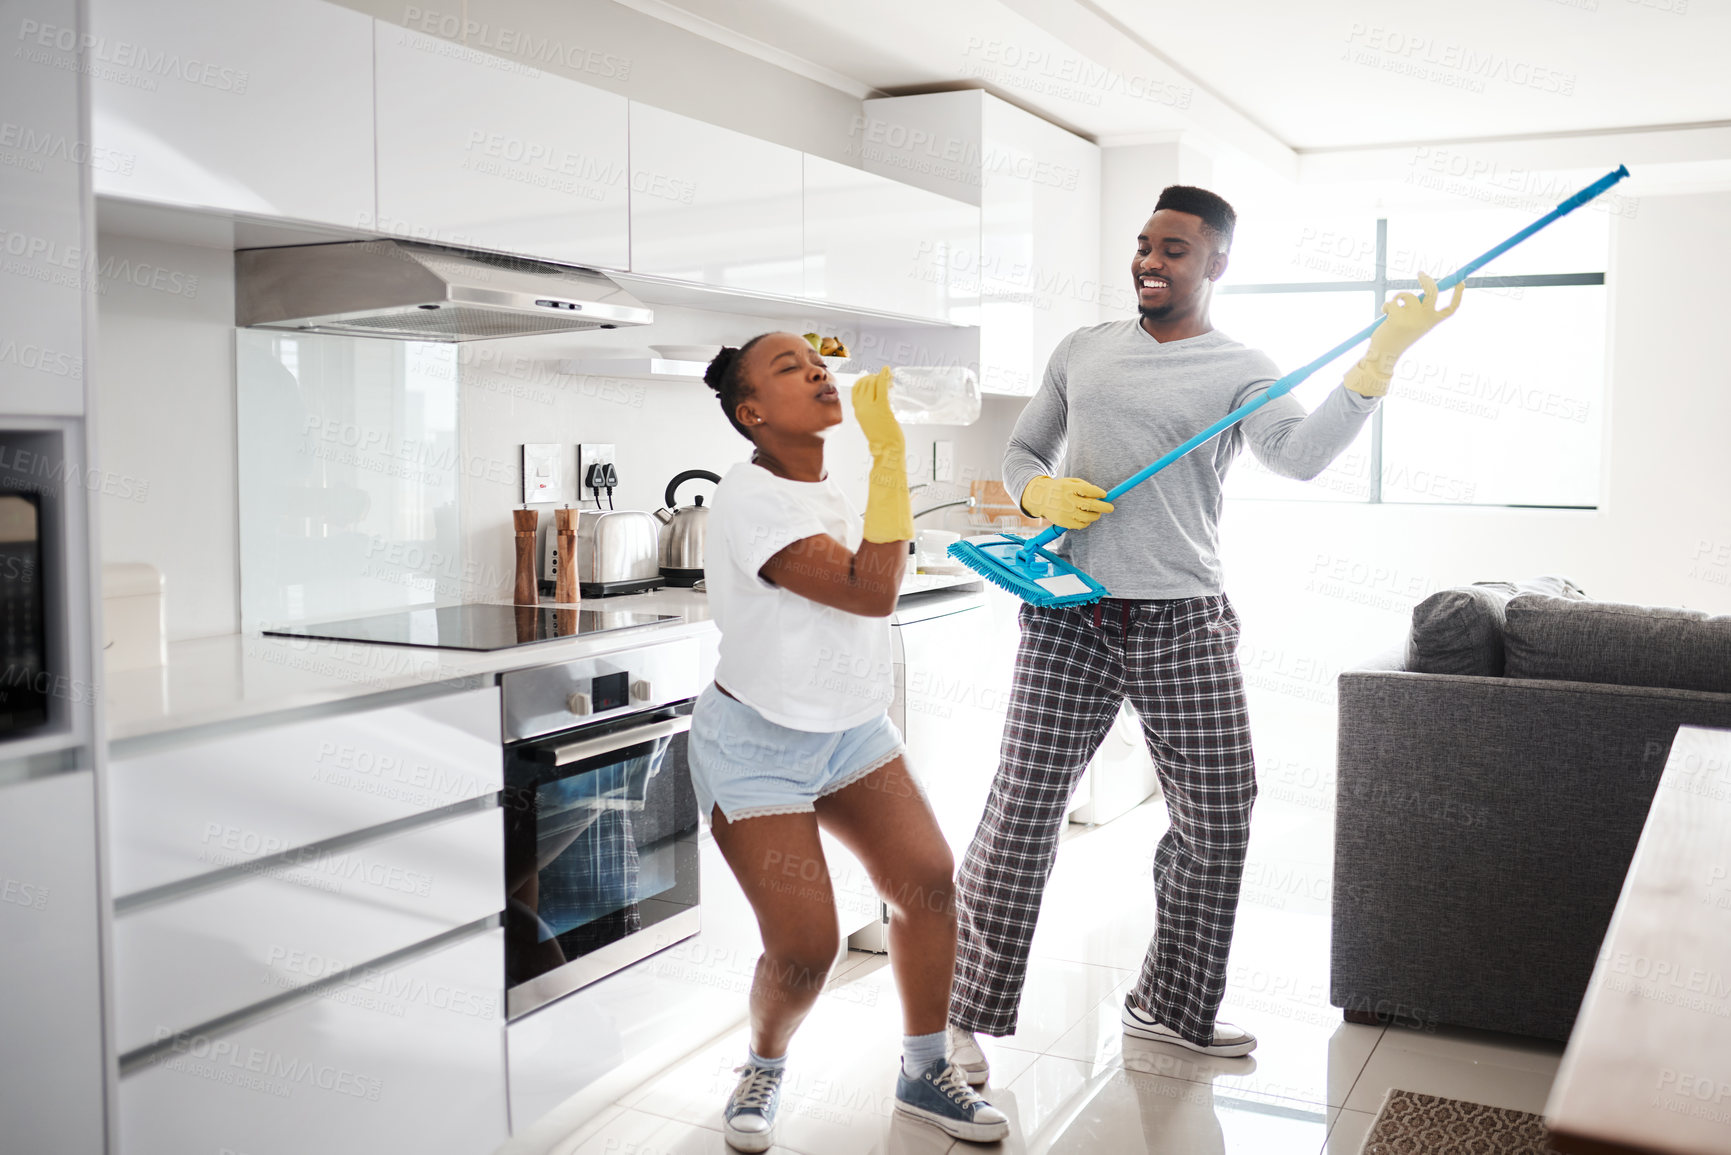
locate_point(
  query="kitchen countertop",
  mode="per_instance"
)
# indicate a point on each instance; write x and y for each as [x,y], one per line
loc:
[234,679]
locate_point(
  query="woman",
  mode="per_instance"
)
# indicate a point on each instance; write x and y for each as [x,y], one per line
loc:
[793,735]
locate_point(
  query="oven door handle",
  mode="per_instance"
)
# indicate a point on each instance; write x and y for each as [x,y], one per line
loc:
[578,751]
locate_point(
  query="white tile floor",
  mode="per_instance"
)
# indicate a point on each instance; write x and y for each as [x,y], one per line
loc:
[1068,1078]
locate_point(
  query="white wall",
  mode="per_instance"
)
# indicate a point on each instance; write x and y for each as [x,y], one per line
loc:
[625,51]
[165,423]
[512,394]
[1131,178]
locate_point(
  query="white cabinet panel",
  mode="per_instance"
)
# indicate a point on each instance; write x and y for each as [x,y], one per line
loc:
[1065,186]
[406,1059]
[952,686]
[876,243]
[1009,151]
[481,151]
[44,266]
[187,961]
[190,809]
[714,206]
[51,1017]
[255,106]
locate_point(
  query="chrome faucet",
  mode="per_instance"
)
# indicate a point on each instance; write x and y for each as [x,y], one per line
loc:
[967,501]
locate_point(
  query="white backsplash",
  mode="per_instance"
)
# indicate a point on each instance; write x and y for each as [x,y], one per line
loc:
[350,471]
[512,395]
[165,423]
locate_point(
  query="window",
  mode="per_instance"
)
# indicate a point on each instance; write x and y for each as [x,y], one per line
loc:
[1502,405]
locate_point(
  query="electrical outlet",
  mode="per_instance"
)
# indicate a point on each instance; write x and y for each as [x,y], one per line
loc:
[593,462]
[542,482]
[943,461]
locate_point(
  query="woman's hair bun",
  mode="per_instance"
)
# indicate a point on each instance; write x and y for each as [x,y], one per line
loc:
[716,374]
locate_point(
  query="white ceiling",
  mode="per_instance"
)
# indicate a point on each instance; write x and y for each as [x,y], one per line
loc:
[1276,77]
[1328,73]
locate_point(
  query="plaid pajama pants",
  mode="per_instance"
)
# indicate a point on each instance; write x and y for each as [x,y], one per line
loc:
[1176,662]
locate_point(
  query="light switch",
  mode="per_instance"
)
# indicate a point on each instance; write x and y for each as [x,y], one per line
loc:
[943,461]
[542,482]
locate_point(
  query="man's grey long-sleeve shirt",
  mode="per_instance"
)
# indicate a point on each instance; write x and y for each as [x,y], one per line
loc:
[1114,399]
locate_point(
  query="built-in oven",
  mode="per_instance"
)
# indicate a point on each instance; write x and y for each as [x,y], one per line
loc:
[601,823]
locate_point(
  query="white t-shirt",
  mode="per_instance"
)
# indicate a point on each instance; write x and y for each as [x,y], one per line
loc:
[799,663]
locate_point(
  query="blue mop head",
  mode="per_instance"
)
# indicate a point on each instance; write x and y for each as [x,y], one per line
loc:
[1037,576]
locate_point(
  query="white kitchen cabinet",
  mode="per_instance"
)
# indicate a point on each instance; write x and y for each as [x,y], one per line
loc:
[405,1058]
[1036,261]
[952,690]
[714,206]
[181,808]
[52,1033]
[876,243]
[46,267]
[50,958]
[189,960]
[480,151]
[252,106]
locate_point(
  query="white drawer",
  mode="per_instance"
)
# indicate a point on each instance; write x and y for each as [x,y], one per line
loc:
[186,810]
[188,960]
[409,1059]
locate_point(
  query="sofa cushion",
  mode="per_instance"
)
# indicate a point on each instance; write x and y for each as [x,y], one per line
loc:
[1460,630]
[1616,644]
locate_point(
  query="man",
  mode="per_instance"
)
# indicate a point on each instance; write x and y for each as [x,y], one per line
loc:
[1115,397]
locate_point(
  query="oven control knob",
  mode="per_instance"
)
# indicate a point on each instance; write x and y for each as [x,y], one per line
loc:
[579,703]
[641,690]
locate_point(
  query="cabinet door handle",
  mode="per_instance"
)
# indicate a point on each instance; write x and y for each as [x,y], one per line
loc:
[589,748]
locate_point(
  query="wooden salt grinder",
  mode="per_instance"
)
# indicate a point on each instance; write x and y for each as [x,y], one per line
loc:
[528,589]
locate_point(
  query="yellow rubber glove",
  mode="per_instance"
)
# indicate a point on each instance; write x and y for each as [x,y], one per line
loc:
[1408,319]
[1066,501]
[889,513]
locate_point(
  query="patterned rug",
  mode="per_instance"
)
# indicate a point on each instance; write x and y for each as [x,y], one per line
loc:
[1414,1124]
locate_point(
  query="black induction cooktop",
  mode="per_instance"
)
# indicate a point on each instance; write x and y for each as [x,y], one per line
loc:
[475,626]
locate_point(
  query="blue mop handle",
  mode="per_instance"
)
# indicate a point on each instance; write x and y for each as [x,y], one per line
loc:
[1293,379]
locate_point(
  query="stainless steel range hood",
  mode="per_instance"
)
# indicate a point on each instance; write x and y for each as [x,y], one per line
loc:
[419,292]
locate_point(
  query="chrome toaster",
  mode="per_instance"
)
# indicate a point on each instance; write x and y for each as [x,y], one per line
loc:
[617,552]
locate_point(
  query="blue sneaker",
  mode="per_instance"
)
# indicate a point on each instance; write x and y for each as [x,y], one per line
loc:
[940,1095]
[749,1121]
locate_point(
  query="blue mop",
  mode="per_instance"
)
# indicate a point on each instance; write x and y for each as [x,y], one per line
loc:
[1039,577]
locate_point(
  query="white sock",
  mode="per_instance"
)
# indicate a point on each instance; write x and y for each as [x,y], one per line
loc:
[758,1060]
[921,1051]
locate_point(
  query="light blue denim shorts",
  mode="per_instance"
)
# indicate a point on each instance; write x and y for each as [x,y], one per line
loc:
[750,766]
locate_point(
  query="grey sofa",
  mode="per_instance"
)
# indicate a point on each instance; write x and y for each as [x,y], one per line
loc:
[1484,822]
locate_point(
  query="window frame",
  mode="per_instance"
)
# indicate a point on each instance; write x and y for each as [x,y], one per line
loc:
[1379,286]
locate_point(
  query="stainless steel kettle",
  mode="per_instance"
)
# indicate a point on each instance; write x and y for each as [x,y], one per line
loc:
[682,532]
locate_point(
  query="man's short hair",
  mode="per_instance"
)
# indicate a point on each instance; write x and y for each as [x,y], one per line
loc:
[1218,219]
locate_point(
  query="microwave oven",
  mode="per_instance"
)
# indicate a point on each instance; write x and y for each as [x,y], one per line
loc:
[24,677]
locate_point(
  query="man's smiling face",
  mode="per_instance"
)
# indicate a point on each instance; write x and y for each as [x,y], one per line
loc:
[1176,260]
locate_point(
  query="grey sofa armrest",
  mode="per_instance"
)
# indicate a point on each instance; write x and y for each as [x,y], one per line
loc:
[1483,827]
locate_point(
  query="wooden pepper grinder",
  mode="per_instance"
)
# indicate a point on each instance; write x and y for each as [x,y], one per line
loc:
[528,591]
[565,589]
